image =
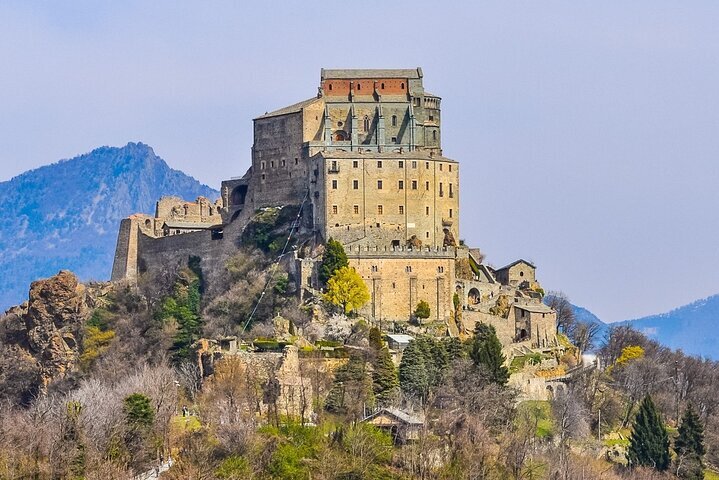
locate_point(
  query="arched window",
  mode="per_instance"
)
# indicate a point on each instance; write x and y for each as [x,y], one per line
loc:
[359,86]
[382,86]
[366,123]
[330,87]
[401,85]
[394,120]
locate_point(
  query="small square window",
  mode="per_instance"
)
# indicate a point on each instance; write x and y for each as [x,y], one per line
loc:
[355,184]
[414,184]
[401,184]
[334,209]
[379,209]
[356,209]
[379,163]
[334,184]
[394,139]
[401,209]
[355,164]
[379,184]
[431,118]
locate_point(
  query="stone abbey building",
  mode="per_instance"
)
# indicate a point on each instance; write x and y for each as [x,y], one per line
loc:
[364,155]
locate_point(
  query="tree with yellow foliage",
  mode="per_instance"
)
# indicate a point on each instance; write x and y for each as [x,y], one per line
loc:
[346,289]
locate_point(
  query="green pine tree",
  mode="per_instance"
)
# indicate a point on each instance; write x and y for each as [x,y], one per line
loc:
[413,377]
[333,259]
[375,339]
[689,446]
[486,353]
[351,390]
[384,378]
[649,442]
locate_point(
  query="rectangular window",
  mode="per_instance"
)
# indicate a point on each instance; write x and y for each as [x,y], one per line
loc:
[297,160]
[450,213]
[426,186]
[356,209]
[401,209]
[379,184]
[440,167]
[426,165]
[394,139]
[426,210]
[401,164]
[431,118]
[414,184]
[262,165]
[451,193]
[263,176]
[334,184]
[379,163]
[401,184]
[355,184]
[272,164]
[450,168]
[427,234]
[355,164]
[414,164]
[441,192]
[283,162]
[379,209]
[334,209]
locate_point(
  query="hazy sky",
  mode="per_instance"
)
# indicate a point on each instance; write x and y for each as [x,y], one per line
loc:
[588,131]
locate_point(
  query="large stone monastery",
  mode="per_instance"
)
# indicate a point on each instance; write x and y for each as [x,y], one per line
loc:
[363,158]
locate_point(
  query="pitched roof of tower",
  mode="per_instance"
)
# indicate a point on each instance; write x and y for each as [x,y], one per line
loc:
[348,73]
[289,109]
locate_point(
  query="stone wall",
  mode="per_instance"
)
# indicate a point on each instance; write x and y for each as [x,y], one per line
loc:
[505,327]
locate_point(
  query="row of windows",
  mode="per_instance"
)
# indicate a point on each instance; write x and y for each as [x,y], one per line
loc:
[355,164]
[408,268]
[282,162]
[380,210]
[400,185]
[381,86]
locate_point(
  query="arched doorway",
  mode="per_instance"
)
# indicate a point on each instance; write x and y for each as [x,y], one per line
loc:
[340,136]
[473,297]
[238,195]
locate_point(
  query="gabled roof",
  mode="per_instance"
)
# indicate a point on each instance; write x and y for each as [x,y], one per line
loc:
[297,107]
[349,73]
[402,416]
[514,263]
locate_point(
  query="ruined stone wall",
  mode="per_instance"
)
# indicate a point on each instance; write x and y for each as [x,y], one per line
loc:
[397,283]
[279,162]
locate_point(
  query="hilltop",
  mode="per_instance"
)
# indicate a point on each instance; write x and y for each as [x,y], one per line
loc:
[65,215]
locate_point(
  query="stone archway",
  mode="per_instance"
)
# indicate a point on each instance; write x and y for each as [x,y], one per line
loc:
[473,297]
[238,195]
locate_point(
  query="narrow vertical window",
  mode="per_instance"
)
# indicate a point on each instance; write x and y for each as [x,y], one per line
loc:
[401,184]
[379,184]
[334,184]
[394,120]
[356,209]
[366,123]
[426,210]
[401,209]
[379,209]
[334,209]
[355,184]
[379,163]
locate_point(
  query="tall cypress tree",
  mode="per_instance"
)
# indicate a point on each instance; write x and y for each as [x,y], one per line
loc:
[649,442]
[333,259]
[486,352]
[384,378]
[689,446]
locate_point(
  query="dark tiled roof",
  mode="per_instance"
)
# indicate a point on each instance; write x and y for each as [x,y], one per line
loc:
[349,73]
[290,109]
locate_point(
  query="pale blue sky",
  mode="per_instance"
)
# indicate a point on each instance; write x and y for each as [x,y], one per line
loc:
[588,131]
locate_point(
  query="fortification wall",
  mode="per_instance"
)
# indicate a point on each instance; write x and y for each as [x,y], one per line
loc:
[505,327]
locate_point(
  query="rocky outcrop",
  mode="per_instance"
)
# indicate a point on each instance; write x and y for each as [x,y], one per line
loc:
[48,327]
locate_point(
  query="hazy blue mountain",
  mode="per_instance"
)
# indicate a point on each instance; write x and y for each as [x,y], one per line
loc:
[66,215]
[691,328]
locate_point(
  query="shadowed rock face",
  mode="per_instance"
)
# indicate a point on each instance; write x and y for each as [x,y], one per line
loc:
[48,326]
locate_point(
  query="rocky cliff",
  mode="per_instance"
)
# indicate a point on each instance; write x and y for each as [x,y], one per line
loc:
[44,333]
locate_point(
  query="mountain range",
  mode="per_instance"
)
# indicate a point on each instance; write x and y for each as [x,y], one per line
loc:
[66,215]
[690,328]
